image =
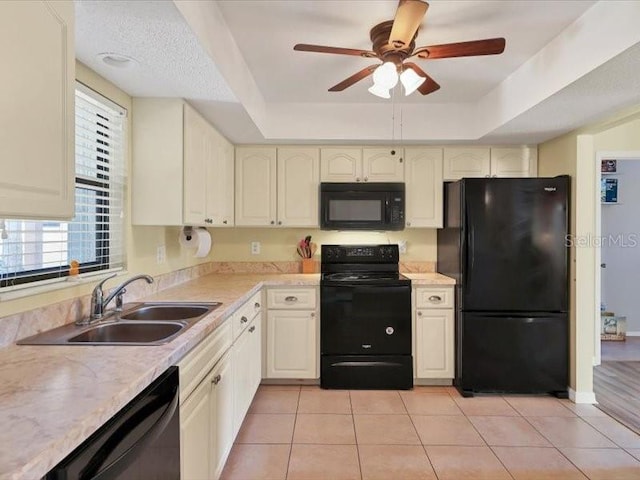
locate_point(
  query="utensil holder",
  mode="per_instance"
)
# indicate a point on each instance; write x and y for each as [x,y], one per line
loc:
[308,265]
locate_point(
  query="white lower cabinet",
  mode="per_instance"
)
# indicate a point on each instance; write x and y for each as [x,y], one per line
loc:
[195,434]
[291,344]
[292,334]
[434,339]
[222,414]
[247,374]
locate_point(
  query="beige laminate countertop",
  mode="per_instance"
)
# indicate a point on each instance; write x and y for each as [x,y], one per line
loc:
[52,398]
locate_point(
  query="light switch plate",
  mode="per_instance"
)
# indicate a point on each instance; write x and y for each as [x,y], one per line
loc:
[402,246]
[161,254]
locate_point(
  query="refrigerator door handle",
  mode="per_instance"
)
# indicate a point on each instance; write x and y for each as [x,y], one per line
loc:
[472,249]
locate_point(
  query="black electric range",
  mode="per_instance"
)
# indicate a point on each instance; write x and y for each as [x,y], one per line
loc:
[365,318]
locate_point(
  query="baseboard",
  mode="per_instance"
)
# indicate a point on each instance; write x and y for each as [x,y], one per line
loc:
[582,397]
[633,334]
[438,382]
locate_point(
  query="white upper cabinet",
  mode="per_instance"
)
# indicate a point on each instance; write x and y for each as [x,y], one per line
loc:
[423,178]
[277,186]
[37,116]
[220,179]
[490,162]
[298,180]
[341,164]
[182,167]
[355,164]
[466,162]
[382,164]
[197,152]
[256,200]
[514,162]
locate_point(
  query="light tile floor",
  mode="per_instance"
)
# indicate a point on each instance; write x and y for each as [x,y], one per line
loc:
[429,433]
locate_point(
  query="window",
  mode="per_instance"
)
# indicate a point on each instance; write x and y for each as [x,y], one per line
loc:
[33,251]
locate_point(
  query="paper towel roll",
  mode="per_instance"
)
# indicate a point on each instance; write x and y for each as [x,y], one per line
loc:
[198,238]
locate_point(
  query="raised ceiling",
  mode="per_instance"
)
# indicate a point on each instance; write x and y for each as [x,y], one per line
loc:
[234,61]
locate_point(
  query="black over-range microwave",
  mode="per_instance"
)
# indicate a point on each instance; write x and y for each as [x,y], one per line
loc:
[362,206]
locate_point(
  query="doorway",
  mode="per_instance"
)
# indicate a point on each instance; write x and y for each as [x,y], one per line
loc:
[617,377]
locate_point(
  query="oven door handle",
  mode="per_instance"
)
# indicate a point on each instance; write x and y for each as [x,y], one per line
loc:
[94,470]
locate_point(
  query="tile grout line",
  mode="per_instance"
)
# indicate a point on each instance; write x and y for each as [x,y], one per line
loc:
[424,447]
[355,436]
[293,432]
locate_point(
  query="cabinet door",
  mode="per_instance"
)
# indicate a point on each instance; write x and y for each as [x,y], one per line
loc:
[298,181]
[195,432]
[197,153]
[37,116]
[341,164]
[382,164]
[466,162]
[423,174]
[247,358]
[291,344]
[220,190]
[514,162]
[255,186]
[434,344]
[222,408]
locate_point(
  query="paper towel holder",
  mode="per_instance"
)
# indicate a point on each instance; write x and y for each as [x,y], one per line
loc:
[188,232]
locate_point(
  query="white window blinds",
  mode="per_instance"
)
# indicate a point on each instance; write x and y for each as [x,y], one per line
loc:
[33,251]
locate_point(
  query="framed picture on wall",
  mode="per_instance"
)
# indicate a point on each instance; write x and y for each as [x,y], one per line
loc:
[609,166]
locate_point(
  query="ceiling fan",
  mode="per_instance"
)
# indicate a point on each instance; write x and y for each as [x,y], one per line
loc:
[393,42]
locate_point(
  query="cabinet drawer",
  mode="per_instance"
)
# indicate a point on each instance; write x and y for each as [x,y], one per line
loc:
[195,366]
[247,312]
[434,297]
[294,298]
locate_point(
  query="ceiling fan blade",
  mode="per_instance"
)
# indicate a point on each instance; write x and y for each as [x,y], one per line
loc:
[356,77]
[490,46]
[405,25]
[303,47]
[429,85]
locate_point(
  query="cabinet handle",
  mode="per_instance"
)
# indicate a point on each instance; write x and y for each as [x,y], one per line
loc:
[419,314]
[279,222]
[272,222]
[244,319]
[313,314]
[257,305]
[357,179]
[366,179]
[252,329]
[291,298]
[487,176]
[435,298]
[216,379]
[400,160]
[224,221]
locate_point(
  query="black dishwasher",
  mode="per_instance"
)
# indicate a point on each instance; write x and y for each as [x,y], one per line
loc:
[140,442]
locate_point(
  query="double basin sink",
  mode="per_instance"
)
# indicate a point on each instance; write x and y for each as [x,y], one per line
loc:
[141,324]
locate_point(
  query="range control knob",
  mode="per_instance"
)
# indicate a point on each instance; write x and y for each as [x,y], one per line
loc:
[389,330]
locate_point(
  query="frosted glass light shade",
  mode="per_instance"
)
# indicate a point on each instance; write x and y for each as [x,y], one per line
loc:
[386,75]
[411,81]
[379,91]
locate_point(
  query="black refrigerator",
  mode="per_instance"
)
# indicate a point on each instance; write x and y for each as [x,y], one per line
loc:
[505,242]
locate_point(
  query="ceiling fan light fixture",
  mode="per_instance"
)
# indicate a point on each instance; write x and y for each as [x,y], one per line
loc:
[379,91]
[411,81]
[386,75]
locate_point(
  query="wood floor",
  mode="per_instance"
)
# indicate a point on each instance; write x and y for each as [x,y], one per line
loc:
[616,381]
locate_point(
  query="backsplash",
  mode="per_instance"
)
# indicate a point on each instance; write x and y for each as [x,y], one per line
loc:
[24,324]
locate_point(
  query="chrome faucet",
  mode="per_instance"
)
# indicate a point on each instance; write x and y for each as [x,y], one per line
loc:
[99,303]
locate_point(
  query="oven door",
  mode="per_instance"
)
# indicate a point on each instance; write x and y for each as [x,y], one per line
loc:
[365,319]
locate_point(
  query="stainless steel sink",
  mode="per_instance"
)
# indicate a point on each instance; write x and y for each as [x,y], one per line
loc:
[137,324]
[127,332]
[165,312]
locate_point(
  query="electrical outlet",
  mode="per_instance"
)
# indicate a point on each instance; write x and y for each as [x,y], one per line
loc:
[255,248]
[402,246]
[161,254]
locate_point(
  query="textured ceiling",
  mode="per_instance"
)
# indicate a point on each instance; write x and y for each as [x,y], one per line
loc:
[566,63]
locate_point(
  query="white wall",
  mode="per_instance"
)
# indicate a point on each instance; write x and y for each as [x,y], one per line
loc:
[620,230]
